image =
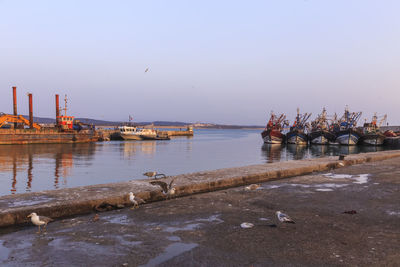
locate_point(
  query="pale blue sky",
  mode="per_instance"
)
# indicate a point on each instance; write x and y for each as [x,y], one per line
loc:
[211,61]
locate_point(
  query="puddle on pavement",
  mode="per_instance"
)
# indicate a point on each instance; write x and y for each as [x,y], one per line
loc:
[324,189]
[331,185]
[66,244]
[4,252]
[212,218]
[123,241]
[187,227]
[118,219]
[193,224]
[174,238]
[171,251]
[359,179]
[393,213]
[338,176]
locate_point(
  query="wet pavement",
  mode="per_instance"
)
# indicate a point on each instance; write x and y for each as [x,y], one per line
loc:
[205,229]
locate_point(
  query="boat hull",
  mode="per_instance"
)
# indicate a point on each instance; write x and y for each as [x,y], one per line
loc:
[348,137]
[272,137]
[321,137]
[296,137]
[373,139]
[131,137]
[45,136]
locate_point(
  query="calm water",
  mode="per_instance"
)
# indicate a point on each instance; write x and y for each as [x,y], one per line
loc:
[28,168]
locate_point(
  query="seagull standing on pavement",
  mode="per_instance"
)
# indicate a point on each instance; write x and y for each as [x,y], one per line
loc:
[167,189]
[39,220]
[282,217]
[135,200]
[150,174]
[154,174]
[252,187]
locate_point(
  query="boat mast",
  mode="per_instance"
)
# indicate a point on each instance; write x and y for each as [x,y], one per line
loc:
[65,105]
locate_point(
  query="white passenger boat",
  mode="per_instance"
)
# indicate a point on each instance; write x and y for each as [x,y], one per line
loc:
[134,133]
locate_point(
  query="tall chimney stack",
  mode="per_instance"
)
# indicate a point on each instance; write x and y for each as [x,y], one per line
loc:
[15,103]
[57,110]
[30,111]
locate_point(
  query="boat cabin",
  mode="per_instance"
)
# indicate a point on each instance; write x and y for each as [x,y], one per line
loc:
[127,129]
[66,122]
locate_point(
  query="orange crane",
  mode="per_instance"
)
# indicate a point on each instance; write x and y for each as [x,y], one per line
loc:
[4,118]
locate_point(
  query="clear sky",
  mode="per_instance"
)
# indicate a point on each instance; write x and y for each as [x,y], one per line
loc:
[229,62]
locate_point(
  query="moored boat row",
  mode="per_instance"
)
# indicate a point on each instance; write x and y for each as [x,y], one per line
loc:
[324,130]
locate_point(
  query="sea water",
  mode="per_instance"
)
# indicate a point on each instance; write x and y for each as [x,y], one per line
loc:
[36,167]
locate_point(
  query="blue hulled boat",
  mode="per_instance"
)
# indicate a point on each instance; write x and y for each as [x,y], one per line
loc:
[348,134]
[297,134]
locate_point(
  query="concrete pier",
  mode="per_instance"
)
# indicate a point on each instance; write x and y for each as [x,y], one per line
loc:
[81,200]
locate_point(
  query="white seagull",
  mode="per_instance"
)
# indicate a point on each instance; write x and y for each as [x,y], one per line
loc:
[135,200]
[282,217]
[167,189]
[252,187]
[150,174]
[39,220]
[154,174]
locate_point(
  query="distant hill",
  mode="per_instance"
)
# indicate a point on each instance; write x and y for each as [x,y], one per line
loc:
[156,123]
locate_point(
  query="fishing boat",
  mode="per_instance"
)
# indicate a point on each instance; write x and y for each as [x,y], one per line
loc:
[272,133]
[348,134]
[297,134]
[371,132]
[320,133]
[392,138]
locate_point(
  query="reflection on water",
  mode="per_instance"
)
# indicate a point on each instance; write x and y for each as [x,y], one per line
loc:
[31,168]
[21,160]
[276,152]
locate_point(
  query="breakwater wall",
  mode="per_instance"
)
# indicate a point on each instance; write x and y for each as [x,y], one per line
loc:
[86,199]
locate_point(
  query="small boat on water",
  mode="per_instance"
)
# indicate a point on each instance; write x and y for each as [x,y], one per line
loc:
[272,133]
[348,134]
[320,133]
[372,134]
[159,136]
[135,133]
[297,134]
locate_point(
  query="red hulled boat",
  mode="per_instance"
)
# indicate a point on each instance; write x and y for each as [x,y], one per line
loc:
[272,132]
